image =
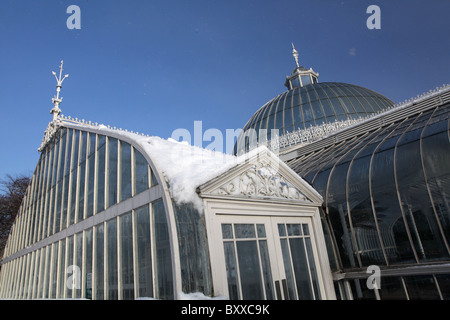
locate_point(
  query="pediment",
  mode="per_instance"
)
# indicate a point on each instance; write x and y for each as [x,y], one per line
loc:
[262,176]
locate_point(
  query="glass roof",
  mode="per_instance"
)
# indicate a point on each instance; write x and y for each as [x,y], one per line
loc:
[316,104]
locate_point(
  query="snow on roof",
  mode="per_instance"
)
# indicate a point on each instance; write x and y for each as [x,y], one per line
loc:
[185,167]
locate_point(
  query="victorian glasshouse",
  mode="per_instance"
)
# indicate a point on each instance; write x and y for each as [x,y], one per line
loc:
[327,180]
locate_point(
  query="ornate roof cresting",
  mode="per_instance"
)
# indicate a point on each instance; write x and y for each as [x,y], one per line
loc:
[56,122]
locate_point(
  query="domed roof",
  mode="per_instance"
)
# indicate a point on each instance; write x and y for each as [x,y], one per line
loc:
[315,104]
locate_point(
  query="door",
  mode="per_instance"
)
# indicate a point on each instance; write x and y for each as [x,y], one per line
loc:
[270,258]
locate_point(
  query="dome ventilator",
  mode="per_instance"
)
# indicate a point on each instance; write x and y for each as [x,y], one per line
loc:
[300,76]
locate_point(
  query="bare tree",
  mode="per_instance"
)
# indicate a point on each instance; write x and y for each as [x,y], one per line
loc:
[12,190]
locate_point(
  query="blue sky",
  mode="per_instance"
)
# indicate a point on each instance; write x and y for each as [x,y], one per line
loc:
[155,66]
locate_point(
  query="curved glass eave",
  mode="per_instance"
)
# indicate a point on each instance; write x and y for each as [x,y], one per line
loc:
[90,187]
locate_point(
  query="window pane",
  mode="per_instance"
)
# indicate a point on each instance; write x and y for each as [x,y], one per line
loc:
[227,231]
[62,269]
[392,289]
[126,238]
[141,172]
[73,197]
[82,180]
[144,252]
[54,271]
[230,262]
[301,269]
[99,262]
[267,271]
[69,263]
[421,288]
[249,270]
[125,171]
[90,175]
[312,268]
[245,230]
[112,171]
[288,270]
[112,260]
[444,285]
[163,253]
[88,263]
[101,173]
[79,261]
[81,186]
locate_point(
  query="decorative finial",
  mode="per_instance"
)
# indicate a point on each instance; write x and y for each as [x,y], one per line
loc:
[57,100]
[295,54]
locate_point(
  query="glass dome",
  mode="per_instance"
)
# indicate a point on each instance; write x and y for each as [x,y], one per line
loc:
[316,104]
[312,105]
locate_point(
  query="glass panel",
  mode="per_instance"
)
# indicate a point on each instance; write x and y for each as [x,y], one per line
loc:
[288,270]
[69,263]
[295,82]
[312,268]
[82,180]
[41,273]
[68,152]
[421,288]
[154,180]
[35,278]
[244,230]
[301,269]
[79,261]
[444,285]
[360,290]
[385,202]
[125,171]
[81,186]
[65,199]
[112,260]
[306,80]
[73,196]
[90,175]
[126,238]
[47,272]
[99,262]
[101,153]
[112,171]
[436,161]
[163,254]
[261,230]
[392,289]
[266,270]
[305,229]
[365,229]
[140,172]
[230,262]
[62,269]
[293,229]
[282,229]
[279,123]
[415,198]
[227,231]
[54,271]
[76,147]
[144,252]
[249,270]
[88,264]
